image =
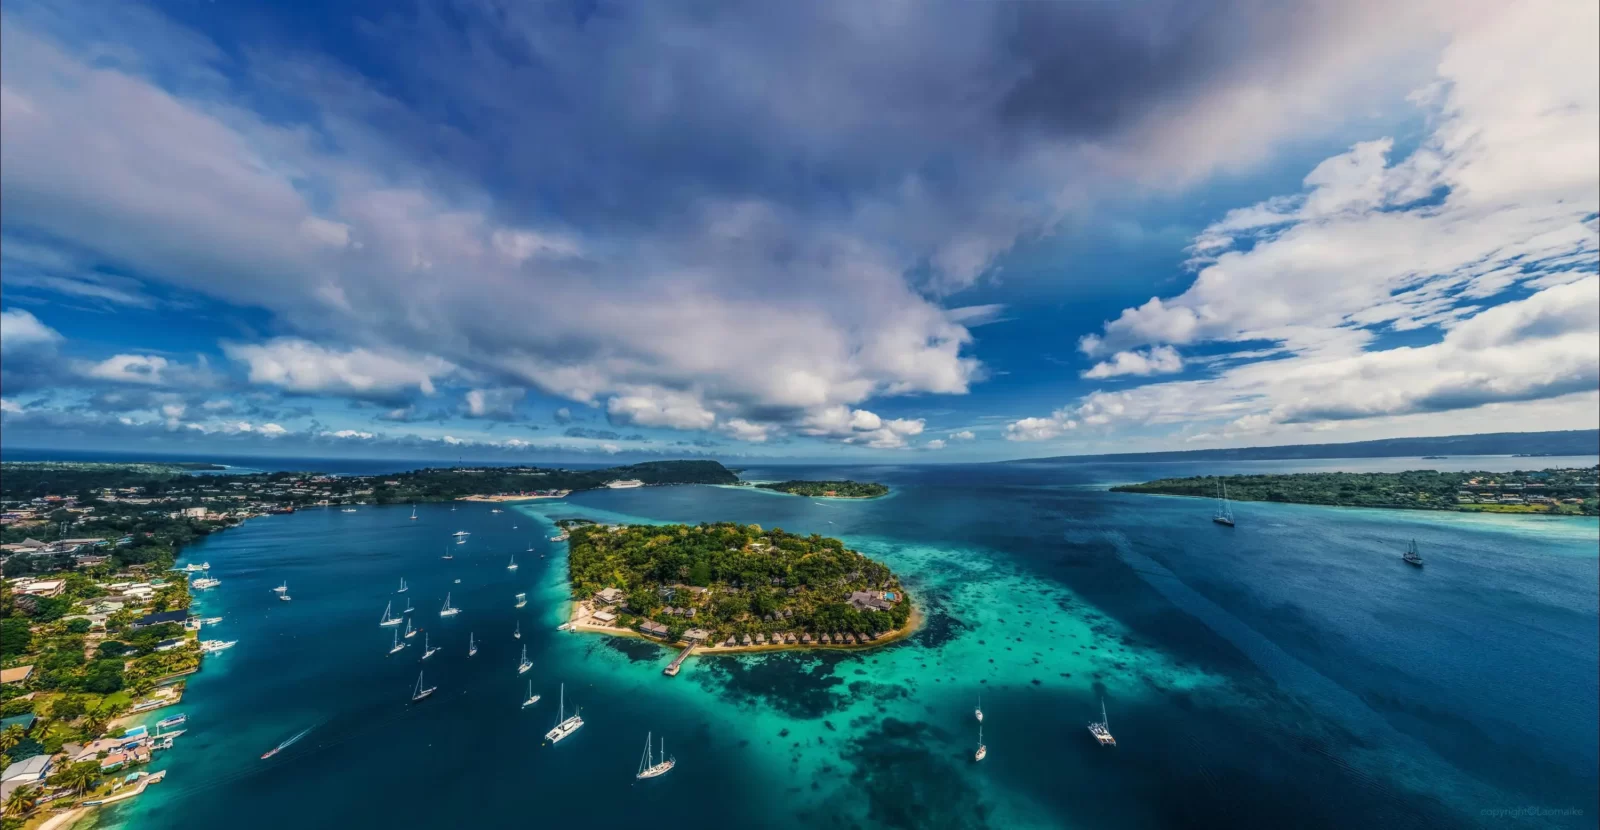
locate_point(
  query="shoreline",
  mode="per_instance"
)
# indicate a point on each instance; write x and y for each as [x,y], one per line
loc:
[1542,514]
[577,621]
[499,499]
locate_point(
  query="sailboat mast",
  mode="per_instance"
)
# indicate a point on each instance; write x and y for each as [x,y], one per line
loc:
[1103,719]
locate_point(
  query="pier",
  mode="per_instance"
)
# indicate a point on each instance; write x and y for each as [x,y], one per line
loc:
[677,662]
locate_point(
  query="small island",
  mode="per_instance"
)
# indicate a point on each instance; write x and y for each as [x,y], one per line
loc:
[727,587]
[1569,491]
[828,489]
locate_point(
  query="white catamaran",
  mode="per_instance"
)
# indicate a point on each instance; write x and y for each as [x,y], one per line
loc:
[472,644]
[448,611]
[532,698]
[419,692]
[1102,730]
[564,725]
[662,767]
[398,646]
[522,667]
[390,620]
[1224,514]
[522,599]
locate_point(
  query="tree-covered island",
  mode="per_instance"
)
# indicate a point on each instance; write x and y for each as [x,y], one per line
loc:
[731,586]
[828,489]
[1570,491]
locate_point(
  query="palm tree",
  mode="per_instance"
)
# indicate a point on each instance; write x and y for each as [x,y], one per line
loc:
[20,802]
[80,776]
[95,722]
[12,736]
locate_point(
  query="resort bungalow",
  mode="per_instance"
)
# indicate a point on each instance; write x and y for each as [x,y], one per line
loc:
[731,642]
[696,635]
[806,638]
[179,616]
[745,640]
[790,638]
[610,596]
[652,628]
[605,616]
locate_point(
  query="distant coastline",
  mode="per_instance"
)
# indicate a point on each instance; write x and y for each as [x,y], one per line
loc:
[1577,442]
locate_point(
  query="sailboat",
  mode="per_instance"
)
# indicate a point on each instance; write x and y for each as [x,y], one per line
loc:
[1411,556]
[447,611]
[410,632]
[1102,730]
[408,609]
[282,589]
[413,512]
[564,725]
[472,645]
[518,632]
[978,712]
[522,599]
[532,698]
[1224,514]
[461,541]
[522,668]
[403,587]
[461,532]
[513,565]
[427,648]
[398,646]
[447,554]
[284,594]
[388,620]
[419,692]
[649,770]
[983,751]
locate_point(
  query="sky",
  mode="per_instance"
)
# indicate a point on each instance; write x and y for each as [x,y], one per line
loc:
[898,231]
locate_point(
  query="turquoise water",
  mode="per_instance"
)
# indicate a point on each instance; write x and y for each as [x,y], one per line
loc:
[1291,672]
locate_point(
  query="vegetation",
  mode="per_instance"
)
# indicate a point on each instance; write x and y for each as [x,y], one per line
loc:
[829,489]
[737,578]
[1545,492]
[442,484]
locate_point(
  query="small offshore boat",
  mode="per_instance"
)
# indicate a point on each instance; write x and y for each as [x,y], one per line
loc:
[214,646]
[518,633]
[1411,556]
[413,512]
[390,620]
[410,632]
[662,767]
[522,599]
[1101,730]
[427,648]
[983,751]
[497,510]
[419,693]
[978,712]
[565,726]
[398,646]
[283,595]
[461,532]
[513,565]
[167,723]
[282,589]
[285,745]
[408,608]
[532,698]
[1224,514]
[472,644]
[522,667]
[447,610]
[403,587]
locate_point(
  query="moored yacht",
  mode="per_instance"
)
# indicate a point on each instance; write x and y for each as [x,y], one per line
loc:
[978,712]
[427,648]
[214,646]
[532,698]
[564,725]
[513,565]
[398,646]
[983,751]
[388,619]
[522,667]
[1224,514]
[522,599]
[1412,556]
[472,644]
[410,632]
[1101,730]
[402,589]
[447,610]
[419,693]
[413,512]
[652,770]
[284,594]
[461,532]
[206,582]
[518,632]
[282,589]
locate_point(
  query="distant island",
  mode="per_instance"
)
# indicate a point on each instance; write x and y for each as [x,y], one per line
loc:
[828,489]
[1570,491]
[1563,442]
[731,587]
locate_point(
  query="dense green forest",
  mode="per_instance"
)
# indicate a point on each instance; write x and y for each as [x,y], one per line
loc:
[830,489]
[755,581]
[31,479]
[438,484]
[1568,491]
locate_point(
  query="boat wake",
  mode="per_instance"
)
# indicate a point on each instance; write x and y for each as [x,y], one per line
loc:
[286,744]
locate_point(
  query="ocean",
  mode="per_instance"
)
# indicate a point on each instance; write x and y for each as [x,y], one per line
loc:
[1289,672]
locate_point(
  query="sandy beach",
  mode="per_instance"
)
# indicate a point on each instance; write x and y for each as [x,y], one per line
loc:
[500,499]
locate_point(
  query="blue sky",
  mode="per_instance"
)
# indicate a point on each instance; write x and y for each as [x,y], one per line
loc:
[834,230]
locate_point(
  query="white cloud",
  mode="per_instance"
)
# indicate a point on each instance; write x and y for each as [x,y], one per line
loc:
[8,405]
[349,434]
[302,366]
[963,435]
[20,330]
[1040,429]
[128,368]
[742,430]
[935,444]
[650,406]
[499,403]
[1161,360]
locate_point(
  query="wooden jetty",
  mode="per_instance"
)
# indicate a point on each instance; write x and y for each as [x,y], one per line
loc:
[677,662]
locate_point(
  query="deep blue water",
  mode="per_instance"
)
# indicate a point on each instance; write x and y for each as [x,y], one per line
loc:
[1291,672]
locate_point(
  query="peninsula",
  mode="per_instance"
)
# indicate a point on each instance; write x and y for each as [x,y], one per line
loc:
[729,586]
[1568,491]
[828,489]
